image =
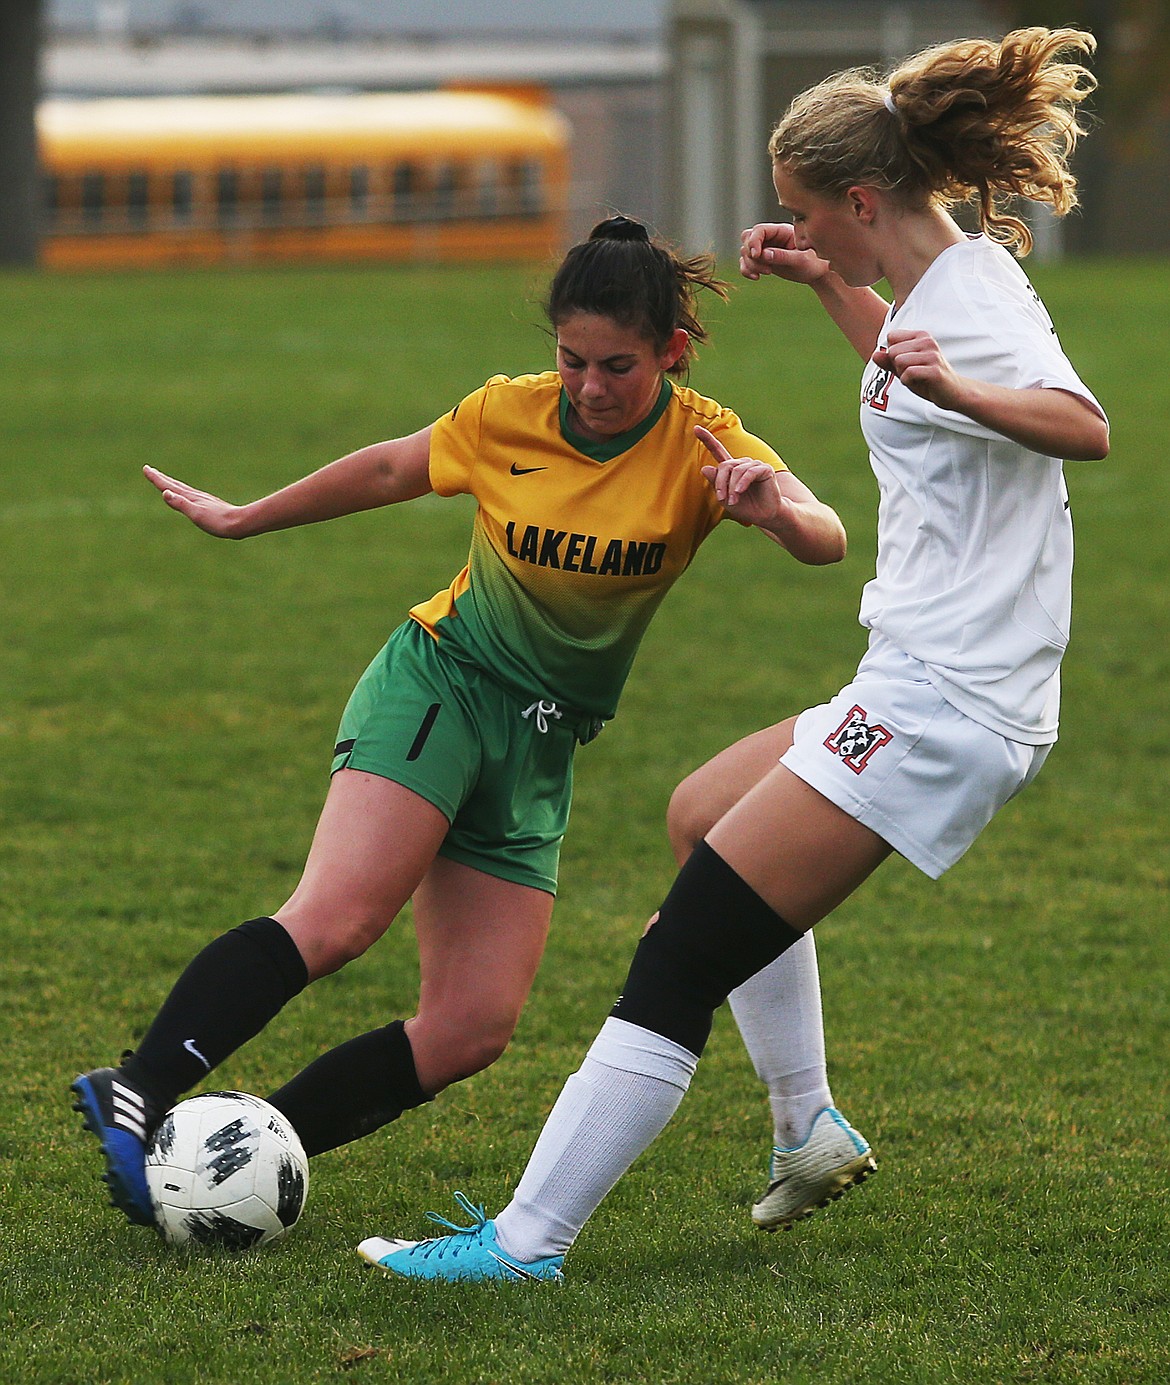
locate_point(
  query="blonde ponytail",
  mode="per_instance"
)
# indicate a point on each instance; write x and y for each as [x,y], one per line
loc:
[971,121]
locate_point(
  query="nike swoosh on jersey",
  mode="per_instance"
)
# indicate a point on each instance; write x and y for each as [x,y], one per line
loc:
[525,470]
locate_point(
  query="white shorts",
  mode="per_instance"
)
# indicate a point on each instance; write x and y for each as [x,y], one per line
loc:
[892,752]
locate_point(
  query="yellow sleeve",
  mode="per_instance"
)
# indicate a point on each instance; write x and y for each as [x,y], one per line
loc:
[740,443]
[455,442]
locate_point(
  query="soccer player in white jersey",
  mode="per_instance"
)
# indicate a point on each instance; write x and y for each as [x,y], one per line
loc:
[968,405]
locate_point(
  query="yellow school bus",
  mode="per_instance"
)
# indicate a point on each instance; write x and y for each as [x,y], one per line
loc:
[457,174]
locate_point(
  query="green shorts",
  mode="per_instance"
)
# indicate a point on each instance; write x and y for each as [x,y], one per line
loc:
[500,770]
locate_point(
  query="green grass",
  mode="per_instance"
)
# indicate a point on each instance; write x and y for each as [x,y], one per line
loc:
[167,705]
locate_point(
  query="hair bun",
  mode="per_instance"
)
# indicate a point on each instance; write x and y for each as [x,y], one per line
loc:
[620,228]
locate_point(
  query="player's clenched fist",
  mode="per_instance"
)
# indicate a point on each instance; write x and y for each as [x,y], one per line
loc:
[770,248]
[917,360]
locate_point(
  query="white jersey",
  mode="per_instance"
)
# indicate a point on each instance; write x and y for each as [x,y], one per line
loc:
[974,570]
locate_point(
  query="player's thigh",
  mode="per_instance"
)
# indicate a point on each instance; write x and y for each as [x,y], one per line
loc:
[712,790]
[480,942]
[374,842]
[801,853]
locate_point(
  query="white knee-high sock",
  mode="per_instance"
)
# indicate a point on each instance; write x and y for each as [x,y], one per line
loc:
[608,1112]
[779,1015]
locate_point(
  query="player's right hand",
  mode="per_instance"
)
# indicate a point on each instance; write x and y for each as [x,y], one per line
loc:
[770,248]
[208,512]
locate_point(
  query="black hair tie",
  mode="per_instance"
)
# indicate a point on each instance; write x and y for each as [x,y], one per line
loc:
[620,228]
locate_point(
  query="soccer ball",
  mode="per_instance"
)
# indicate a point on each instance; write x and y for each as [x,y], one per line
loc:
[226,1169]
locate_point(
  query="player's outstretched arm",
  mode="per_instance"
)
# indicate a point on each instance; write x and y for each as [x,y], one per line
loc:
[775,501]
[770,248]
[382,474]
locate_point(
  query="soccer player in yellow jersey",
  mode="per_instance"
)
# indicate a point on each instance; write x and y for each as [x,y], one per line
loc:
[452,773]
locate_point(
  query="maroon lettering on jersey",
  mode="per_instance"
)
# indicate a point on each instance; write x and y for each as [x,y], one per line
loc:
[876,393]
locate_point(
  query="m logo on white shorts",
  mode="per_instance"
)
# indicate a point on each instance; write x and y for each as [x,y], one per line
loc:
[856,741]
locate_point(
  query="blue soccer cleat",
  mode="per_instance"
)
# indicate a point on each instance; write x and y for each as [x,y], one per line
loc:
[833,1159]
[471,1253]
[123,1118]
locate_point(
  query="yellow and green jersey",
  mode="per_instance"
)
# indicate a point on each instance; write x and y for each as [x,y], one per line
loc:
[575,543]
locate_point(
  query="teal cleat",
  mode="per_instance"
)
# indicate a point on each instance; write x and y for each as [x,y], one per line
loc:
[472,1253]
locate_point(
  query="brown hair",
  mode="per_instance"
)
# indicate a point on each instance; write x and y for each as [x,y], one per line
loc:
[622,273]
[971,121]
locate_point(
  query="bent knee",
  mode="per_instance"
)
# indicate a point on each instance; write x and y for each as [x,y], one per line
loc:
[686,822]
[478,1054]
[452,1055]
[327,945]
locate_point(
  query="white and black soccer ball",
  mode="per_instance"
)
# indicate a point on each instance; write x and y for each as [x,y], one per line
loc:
[226,1169]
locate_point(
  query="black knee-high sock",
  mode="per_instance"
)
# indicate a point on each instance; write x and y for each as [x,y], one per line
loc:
[225,997]
[352,1090]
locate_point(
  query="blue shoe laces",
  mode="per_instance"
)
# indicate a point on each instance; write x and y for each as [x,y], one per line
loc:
[441,1246]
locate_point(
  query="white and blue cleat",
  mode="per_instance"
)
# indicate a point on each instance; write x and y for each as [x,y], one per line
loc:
[469,1254]
[833,1159]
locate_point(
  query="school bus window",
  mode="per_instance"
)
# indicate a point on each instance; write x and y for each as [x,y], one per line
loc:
[336,193]
[403,183]
[51,200]
[272,194]
[183,196]
[487,188]
[445,186]
[68,202]
[137,198]
[315,193]
[529,196]
[359,191]
[227,195]
[93,197]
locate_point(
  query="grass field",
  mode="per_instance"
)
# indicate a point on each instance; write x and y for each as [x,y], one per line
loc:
[167,707]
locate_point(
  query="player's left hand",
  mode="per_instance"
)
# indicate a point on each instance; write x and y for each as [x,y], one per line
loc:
[917,360]
[743,485]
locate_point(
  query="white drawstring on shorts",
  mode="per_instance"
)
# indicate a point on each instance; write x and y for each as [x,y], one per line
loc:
[543,711]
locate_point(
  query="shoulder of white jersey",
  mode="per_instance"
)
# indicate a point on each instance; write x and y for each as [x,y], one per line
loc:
[990,284]
[997,269]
